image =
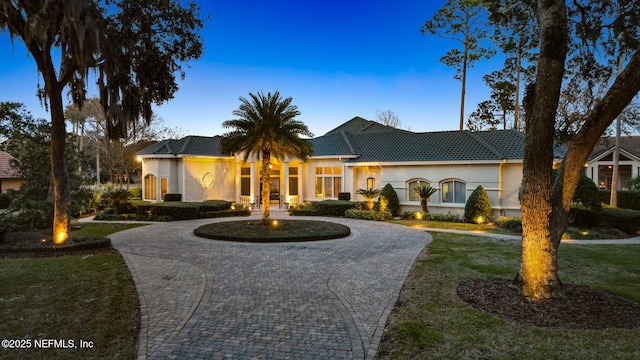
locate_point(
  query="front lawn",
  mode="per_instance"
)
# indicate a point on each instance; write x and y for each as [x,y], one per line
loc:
[48,301]
[430,321]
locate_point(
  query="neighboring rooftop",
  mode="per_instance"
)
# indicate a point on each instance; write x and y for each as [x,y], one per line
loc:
[6,170]
[629,143]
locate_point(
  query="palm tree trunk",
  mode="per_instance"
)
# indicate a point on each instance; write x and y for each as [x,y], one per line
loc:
[265,181]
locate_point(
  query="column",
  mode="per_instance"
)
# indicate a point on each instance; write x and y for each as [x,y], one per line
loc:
[285,182]
[252,183]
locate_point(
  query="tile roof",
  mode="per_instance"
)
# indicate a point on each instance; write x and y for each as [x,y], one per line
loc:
[6,170]
[190,145]
[363,140]
[360,125]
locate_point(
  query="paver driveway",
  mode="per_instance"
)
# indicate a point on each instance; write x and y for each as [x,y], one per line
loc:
[211,299]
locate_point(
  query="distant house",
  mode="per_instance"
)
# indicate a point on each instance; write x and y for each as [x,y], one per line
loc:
[599,167]
[10,179]
[357,154]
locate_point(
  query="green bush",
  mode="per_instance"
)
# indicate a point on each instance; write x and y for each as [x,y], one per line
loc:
[448,217]
[215,205]
[119,200]
[511,223]
[389,193]
[586,194]
[5,200]
[420,215]
[82,201]
[177,210]
[226,213]
[626,199]
[625,220]
[136,194]
[478,207]
[172,197]
[344,196]
[332,207]
[31,215]
[303,212]
[368,215]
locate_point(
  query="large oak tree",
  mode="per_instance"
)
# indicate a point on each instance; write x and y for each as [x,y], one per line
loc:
[613,28]
[136,49]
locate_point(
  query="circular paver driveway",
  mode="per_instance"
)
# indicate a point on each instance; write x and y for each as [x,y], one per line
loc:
[212,299]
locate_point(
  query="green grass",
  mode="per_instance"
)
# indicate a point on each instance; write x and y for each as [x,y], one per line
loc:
[431,322]
[98,230]
[452,226]
[277,231]
[90,298]
[78,297]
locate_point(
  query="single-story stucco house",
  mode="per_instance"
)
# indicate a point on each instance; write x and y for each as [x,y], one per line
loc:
[356,155]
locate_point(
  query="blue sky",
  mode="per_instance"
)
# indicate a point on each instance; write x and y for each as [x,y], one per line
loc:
[336,59]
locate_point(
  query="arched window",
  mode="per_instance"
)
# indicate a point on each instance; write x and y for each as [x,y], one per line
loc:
[453,192]
[150,187]
[414,184]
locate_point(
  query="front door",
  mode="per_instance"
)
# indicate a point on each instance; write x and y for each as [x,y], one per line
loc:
[275,190]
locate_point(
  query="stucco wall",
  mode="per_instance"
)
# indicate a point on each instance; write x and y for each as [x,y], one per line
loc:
[501,181]
[209,179]
[11,184]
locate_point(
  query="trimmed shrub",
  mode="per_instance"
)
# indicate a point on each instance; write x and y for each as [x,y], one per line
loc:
[626,199]
[511,223]
[214,205]
[177,210]
[478,207]
[625,220]
[172,197]
[344,196]
[302,212]
[226,213]
[332,207]
[368,215]
[586,194]
[389,193]
[448,217]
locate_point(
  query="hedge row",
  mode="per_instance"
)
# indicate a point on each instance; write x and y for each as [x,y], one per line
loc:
[368,215]
[169,211]
[625,220]
[626,199]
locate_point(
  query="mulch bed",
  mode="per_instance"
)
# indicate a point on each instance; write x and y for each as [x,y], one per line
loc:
[40,244]
[580,308]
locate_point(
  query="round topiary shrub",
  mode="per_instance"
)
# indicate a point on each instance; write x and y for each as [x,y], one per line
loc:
[390,194]
[478,207]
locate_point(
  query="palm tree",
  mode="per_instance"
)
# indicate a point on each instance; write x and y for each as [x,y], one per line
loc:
[424,192]
[266,127]
[370,195]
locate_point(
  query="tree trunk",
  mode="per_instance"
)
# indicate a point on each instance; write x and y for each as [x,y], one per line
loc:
[538,275]
[464,83]
[423,205]
[265,181]
[61,186]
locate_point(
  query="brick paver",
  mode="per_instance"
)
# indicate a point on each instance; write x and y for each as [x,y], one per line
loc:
[207,299]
